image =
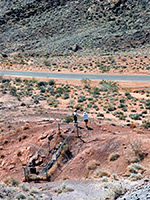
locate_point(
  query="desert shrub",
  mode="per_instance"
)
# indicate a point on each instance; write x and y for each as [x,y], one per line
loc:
[138,166]
[90,105]
[52,101]
[26,127]
[42,90]
[86,82]
[100,115]
[135,116]
[90,99]
[19,138]
[42,83]
[146,124]
[113,156]
[122,100]
[65,96]
[71,104]
[134,159]
[24,136]
[100,173]
[128,95]
[22,104]
[19,153]
[136,147]
[14,182]
[2,155]
[59,91]
[91,165]
[63,189]
[47,63]
[24,187]
[114,176]
[124,109]
[133,110]
[69,119]
[144,112]
[20,196]
[18,80]
[6,80]
[113,191]
[132,169]
[136,171]
[111,108]
[135,177]
[7,180]
[5,141]
[147,104]
[121,105]
[109,86]
[13,91]
[25,80]
[51,90]
[120,115]
[51,82]
[81,98]
[36,100]
[96,91]
[79,107]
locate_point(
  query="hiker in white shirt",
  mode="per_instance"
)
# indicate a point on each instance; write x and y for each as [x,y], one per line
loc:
[85,117]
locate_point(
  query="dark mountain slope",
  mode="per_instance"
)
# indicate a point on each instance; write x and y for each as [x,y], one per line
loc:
[46,26]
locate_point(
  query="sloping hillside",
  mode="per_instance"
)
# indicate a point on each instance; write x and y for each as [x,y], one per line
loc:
[57,26]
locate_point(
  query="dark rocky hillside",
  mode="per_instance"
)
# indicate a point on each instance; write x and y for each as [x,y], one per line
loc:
[62,26]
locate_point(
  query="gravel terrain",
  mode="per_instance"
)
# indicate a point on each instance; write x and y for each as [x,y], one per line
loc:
[76,190]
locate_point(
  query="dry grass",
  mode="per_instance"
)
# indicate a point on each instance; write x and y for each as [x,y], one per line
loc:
[113,156]
[99,173]
[27,126]
[92,165]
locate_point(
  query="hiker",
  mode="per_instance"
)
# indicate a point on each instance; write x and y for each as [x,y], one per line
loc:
[85,117]
[75,116]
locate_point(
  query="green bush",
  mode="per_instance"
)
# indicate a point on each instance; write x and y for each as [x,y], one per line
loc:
[52,102]
[18,80]
[42,83]
[100,115]
[147,104]
[111,108]
[128,95]
[59,90]
[109,86]
[20,196]
[65,96]
[51,82]
[120,115]
[14,182]
[86,82]
[81,98]
[6,80]
[42,90]
[13,91]
[146,124]
[135,116]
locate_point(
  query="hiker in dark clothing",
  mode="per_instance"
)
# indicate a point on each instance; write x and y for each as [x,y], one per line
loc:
[75,116]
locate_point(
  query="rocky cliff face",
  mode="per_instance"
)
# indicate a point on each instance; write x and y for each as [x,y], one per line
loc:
[46,26]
